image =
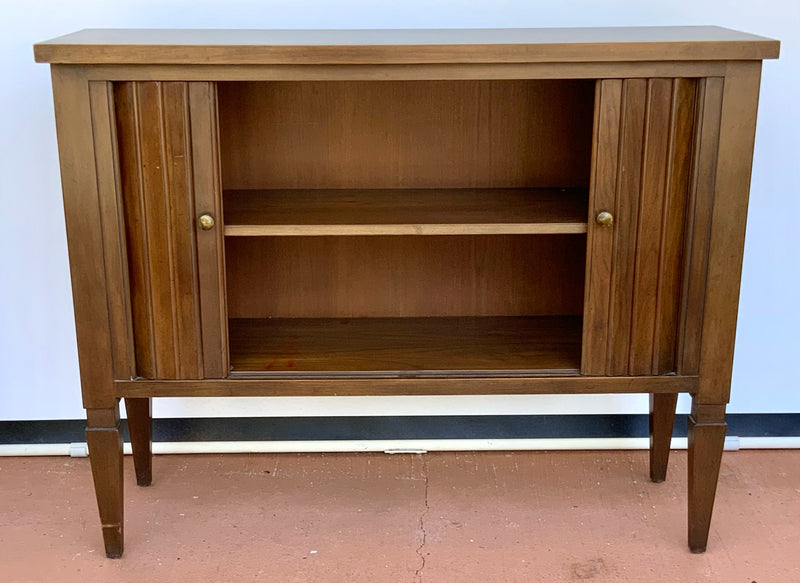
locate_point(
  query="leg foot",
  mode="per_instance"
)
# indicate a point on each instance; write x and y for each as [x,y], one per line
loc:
[140,428]
[662,418]
[706,441]
[105,454]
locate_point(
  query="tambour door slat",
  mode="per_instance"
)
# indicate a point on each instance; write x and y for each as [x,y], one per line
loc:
[641,169]
[158,180]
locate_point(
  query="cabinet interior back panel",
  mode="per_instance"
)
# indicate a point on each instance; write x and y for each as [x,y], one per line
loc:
[395,276]
[409,134]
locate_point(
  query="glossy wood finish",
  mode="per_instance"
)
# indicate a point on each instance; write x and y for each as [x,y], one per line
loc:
[662,420]
[621,288]
[706,433]
[152,127]
[405,212]
[104,440]
[726,244]
[726,238]
[406,72]
[82,123]
[352,384]
[657,124]
[210,244]
[361,277]
[698,223]
[549,45]
[84,236]
[600,241]
[633,270]
[140,427]
[415,134]
[115,259]
[157,179]
[405,345]
[666,282]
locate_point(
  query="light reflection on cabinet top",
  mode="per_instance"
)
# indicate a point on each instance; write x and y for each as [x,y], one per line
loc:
[534,45]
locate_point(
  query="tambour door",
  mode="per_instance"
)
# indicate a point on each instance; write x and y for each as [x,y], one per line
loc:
[642,198]
[166,134]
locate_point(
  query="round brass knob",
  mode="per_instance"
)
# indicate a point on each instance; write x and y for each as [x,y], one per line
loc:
[605,219]
[206,222]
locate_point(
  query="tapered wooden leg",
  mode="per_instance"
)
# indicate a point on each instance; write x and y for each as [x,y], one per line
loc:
[662,418]
[140,423]
[105,454]
[706,441]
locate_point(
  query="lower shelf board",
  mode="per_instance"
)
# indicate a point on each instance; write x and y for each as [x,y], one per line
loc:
[401,346]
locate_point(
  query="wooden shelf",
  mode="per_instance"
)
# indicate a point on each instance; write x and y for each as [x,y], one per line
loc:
[467,345]
[483,211]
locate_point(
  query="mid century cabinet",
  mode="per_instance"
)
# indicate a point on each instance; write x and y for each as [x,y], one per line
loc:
[405,213]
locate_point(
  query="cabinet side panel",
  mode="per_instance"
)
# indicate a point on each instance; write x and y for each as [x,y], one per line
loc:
[600,241]
[207,200]
[84,235]
[728,222]
[698,222]
[155,175]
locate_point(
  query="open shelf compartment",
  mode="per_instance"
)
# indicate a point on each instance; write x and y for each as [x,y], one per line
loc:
[407,346]
[326,184]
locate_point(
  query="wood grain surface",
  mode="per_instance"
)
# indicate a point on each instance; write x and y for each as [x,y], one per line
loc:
[153,131]
[661,421]
[140,428]
[642,168]
[104,137]
[405,212]
[207,183]
[551,45]
[83,218]
[486,382]
[405,344]
[657,124]
[737,131]
[104,441]
[411,134]
[600,241]
[173,273]
[698,223]
[356,277]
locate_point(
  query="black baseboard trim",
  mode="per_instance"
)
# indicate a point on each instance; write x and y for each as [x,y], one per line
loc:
[400,427]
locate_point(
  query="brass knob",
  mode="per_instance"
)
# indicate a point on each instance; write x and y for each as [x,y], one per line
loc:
[206,222]
[605,219]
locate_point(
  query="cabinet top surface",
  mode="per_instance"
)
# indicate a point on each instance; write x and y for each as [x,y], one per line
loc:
[535,45]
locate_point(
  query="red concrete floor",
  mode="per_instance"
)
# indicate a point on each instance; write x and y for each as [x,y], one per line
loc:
[439,517]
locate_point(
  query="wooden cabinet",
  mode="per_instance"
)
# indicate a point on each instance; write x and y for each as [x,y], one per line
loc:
[406,213]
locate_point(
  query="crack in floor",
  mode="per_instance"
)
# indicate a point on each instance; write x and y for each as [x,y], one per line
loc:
[421,527]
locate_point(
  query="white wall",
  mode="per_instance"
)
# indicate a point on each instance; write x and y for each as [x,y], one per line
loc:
[38,356]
